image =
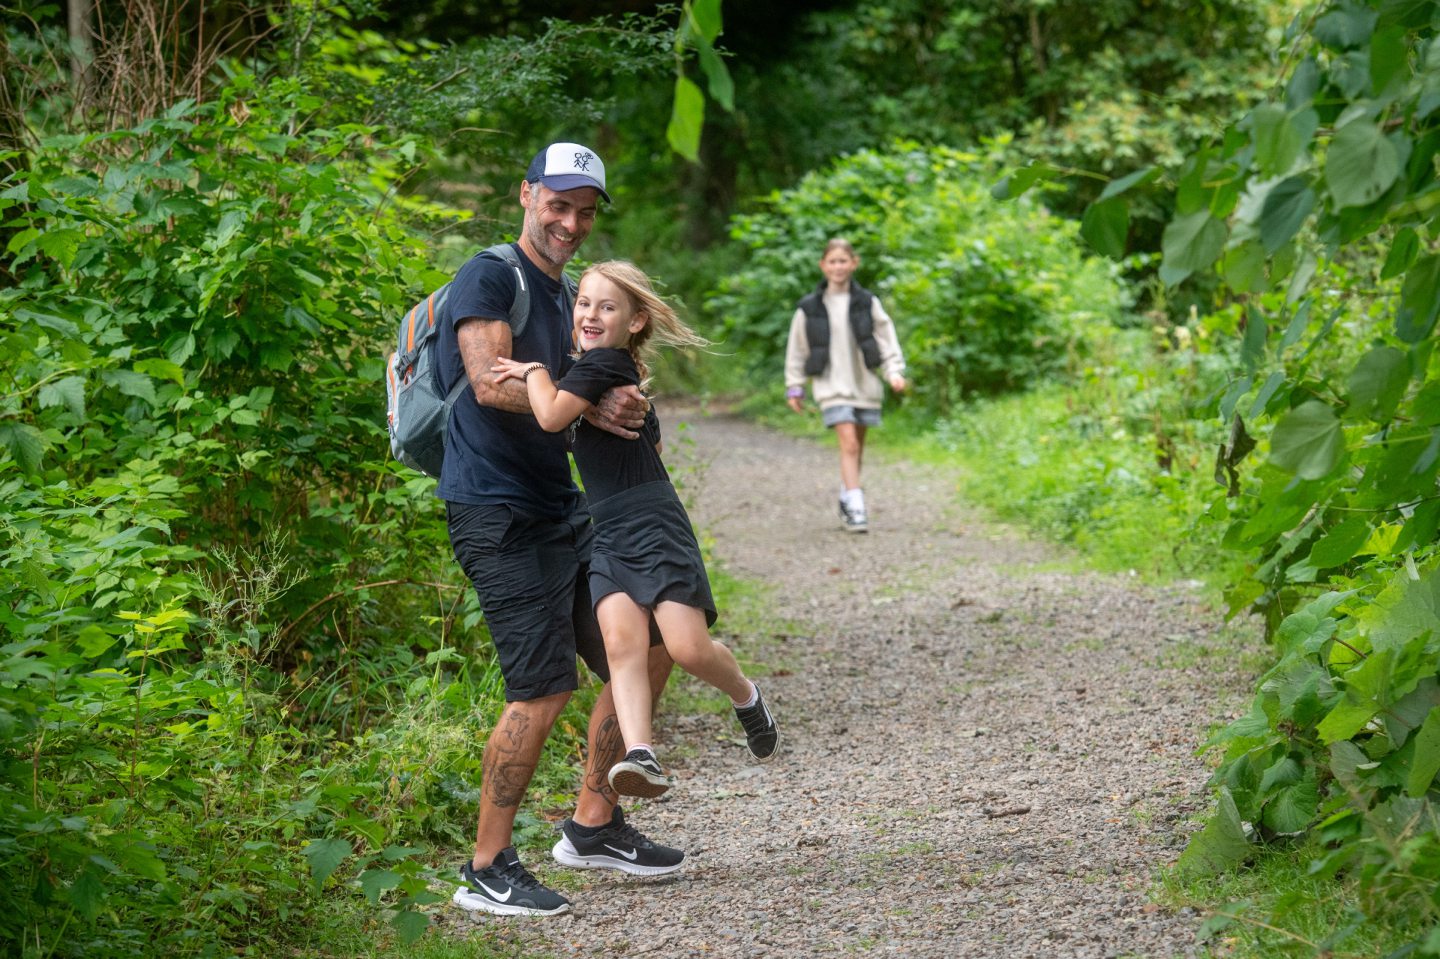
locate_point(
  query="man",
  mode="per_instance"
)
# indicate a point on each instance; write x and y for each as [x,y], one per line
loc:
[520,531]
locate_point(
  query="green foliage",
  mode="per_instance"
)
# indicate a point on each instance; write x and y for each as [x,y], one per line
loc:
[1319,207]
[195,339]
[988,296]
[1107,459]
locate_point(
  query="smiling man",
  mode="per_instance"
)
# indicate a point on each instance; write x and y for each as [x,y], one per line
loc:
[521,532]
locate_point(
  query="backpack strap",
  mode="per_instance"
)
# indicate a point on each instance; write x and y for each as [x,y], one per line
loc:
[520,306]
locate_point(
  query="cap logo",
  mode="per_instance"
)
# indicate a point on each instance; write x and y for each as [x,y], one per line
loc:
[582,160]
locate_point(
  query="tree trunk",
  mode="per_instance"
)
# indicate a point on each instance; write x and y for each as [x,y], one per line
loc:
[81,53]
[1042,65]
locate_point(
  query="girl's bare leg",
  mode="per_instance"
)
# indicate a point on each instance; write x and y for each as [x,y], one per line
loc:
[626,628]
[687,639]
[851,437]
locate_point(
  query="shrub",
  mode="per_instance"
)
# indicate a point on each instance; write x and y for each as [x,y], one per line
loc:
[989,296]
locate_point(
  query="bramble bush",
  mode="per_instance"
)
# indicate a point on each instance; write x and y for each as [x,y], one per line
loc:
[986,296]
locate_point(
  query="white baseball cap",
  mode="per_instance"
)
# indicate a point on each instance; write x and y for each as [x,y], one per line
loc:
[568,166]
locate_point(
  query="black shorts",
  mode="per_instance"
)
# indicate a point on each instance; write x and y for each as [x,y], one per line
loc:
[531,576]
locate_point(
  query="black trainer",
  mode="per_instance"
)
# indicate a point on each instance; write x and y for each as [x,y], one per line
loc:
[505,888]
[617,846]
[639,774]
[762,735]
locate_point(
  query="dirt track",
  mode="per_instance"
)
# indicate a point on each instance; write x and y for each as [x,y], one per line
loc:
[984,755]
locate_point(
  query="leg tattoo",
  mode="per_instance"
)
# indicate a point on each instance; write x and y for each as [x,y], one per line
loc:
[507,772]
[608,749]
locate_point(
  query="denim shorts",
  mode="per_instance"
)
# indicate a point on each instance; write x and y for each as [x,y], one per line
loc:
[531,574]
[835,415]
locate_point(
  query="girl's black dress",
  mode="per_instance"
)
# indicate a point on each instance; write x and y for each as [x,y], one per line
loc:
[644,546]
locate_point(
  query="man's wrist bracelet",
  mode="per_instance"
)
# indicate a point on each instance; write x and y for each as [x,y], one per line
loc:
[524,377]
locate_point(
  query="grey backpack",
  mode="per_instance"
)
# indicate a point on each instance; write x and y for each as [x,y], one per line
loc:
[417,410]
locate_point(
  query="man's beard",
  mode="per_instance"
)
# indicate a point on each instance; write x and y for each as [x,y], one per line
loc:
[545,245]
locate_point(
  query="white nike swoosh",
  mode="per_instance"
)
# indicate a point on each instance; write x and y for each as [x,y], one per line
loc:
[631,855]
[493,894]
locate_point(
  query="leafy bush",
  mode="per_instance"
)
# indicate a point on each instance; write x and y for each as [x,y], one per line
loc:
[987,296]
[195,347]
[1318,213]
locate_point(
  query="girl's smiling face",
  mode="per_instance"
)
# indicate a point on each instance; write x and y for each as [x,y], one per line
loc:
[605,316]
[838,266]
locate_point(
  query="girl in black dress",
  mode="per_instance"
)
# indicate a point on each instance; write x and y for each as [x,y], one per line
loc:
[646,561]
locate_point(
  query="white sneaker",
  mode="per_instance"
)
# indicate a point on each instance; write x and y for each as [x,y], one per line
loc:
[853,518]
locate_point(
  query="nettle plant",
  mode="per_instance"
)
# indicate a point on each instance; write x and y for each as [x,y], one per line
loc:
[1318,211]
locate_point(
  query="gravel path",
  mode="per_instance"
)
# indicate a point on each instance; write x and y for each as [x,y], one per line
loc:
[983,756]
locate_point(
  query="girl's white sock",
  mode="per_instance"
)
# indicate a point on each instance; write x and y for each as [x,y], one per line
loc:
[754,695]
[853,498]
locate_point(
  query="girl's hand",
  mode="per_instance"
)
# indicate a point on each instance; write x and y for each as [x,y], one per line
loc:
[507,369]
[796,403]
[898,384]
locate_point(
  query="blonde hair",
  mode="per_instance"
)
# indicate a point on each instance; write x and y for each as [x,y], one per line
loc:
[663,327]
[839,243]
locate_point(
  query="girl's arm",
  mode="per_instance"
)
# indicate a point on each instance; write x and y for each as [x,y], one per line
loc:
[554,409]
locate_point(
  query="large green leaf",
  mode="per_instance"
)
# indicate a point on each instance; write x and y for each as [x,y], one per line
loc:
[1307,441]
[1190,243]
[410,925]
[1405,609]
[24,444]
[1220,846]
[687,116]
[1291,809]
[1280,137]
[325,856]
[68,391]
[375,881]
[1244,267]
[1340,544]
[1311,626]
[1022,179]
[1378,382]
[717,77]
[1106,225]
[1116,187]
[1284,211]
[1427,755]
[1361,164]
[1419,300]
[706,17]
[1403,250]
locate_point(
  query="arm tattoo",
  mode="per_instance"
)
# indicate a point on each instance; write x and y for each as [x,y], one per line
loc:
[480,342]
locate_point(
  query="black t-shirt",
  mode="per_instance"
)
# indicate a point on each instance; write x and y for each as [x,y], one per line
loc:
[611,464]
[494,457]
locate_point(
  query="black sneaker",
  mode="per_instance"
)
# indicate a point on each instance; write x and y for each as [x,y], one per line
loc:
[854,519]
[617,846]
[761,733]
[505,888]
[639,774]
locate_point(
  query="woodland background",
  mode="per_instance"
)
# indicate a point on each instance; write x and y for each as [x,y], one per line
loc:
[1170,270]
